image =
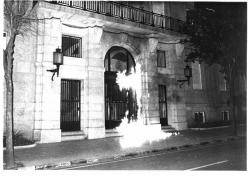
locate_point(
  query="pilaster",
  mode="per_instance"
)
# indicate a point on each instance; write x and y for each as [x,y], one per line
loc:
[95,84]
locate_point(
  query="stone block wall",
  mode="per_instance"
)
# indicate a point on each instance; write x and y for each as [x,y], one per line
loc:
[23,80]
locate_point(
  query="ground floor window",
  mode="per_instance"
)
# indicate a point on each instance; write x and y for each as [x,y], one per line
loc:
[199,117]
[225,115]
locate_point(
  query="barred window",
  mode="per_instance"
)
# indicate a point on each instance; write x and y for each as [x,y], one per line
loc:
[161,60]
[71,46]
[225,115]
[199,117]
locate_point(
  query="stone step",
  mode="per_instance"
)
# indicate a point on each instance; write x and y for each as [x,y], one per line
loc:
[74,135]
[112,133]
[168,129]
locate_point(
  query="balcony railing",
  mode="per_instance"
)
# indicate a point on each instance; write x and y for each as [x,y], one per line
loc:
[126,12]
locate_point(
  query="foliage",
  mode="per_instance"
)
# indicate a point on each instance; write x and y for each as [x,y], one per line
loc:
[16,13]
[18,139]
[218,36]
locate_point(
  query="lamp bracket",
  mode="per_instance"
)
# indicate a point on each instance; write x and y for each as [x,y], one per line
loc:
[54,71]
[182,81]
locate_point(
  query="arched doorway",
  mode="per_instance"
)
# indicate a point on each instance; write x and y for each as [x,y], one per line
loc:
[117,101]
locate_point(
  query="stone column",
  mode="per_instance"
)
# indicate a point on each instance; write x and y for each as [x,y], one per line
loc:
[95,84]
[47,109]
[175,94]
[150,86]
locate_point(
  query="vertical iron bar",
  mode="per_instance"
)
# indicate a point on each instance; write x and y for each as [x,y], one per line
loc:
[97,8]
[79,101]
[152,16]
[121,12]
[109,61]
[127,61]
[84,5]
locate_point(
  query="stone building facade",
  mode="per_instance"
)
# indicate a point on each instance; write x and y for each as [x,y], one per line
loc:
[38,101]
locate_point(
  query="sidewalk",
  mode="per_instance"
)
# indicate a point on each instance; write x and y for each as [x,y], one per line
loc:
[53,155]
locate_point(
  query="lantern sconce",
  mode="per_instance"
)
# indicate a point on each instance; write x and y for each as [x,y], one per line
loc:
[187,74]
[57,60]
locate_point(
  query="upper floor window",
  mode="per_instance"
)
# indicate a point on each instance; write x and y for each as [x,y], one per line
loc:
[196,75]
[71,46]
[161,59]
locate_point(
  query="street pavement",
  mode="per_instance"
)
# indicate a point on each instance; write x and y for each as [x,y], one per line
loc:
[72,153]
[229,155]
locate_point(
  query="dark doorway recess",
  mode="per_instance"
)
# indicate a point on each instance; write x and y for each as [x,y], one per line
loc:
[70,105]
[118,101]
[163,105]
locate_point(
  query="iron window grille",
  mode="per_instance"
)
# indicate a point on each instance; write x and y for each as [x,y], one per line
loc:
[225,115]
[161,59]
[71,46]
[199,117]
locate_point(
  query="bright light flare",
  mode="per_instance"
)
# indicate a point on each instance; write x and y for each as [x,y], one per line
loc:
[135,133]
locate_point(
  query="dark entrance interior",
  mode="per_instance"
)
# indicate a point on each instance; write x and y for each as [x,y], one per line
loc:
[118,101]
[70,105]
[163,105]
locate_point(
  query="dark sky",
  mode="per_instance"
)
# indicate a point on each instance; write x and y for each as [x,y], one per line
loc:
[226,8]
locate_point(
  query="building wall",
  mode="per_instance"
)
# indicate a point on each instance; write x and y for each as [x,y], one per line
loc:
[38,113]
[209,97]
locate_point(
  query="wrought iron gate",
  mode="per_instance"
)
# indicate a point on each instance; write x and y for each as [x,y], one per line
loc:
[117,102]
[70,105]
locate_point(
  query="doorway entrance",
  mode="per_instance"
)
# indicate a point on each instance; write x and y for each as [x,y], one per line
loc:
[163,105]
[118,102]
[70,105]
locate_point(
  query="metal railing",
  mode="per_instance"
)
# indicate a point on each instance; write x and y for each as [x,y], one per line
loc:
[126,12]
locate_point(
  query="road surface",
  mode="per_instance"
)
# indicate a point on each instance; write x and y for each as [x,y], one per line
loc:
[229,155]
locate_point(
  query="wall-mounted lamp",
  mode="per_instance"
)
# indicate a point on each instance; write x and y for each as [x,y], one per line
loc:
[57,60]
[187,74]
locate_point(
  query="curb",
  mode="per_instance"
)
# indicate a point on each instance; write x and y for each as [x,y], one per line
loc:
[63,165]
[210,128]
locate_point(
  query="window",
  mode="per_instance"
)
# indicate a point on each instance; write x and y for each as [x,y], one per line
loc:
[225,115]
[196,74]
[199,117]
[161,60]
[72,46]
[223,82]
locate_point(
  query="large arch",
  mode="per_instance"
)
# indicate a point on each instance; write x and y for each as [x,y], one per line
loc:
[117,101]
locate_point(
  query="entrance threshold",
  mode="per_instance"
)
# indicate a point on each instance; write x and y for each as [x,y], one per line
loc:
[73,135]
[112,133]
